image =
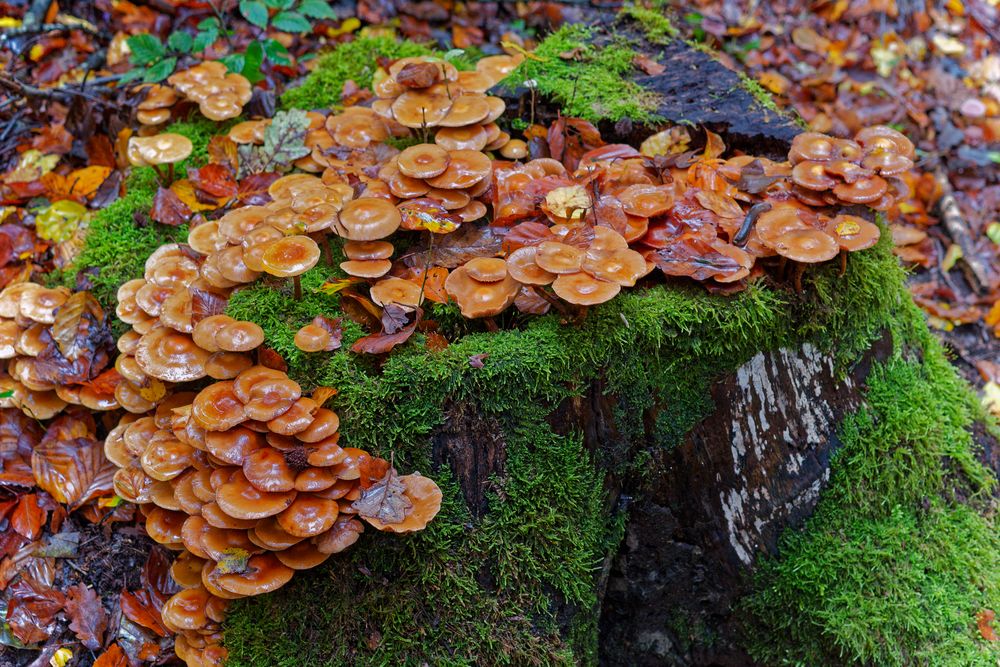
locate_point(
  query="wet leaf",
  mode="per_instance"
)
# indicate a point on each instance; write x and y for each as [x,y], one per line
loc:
[169,209]
[269,357]
[648,65]
[73,471]
[78,185]
[213,181]
[234,561]
[476,360]
[28,517]
[435,342]
[384,500]
[75,324]
[222,151]
[428,215]
[383,342]
[323,394]
[334,286]
[113,657]
[252,190]
[455,249]
[139,609]
[31,610]
[88,619]
[205,303]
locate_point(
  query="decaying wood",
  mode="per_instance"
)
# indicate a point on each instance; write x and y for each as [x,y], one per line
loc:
[976,271]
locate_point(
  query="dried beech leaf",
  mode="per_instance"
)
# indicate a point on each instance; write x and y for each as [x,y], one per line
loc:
[28,517]
[74,322]
[384,500]
[113,657]
[138,608]
[168,209]
[73,471]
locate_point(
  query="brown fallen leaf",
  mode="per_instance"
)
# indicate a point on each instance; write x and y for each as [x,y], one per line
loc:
[648,65]
[168,209]
[113,657]
[984,621]
[28,517]
[138,608]
[88,620]
[384,500]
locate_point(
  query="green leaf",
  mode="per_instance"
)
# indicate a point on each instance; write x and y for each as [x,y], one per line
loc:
[253,59]
[276,52]
[210,23]
[234,62]
[160,70]
[284,142]
[279,4]
[254,11]
[7,394]
[204,39]
[317,9]
[180,41]
[132,75]
[993,232]
[291,22]
[146,49]
[454,53]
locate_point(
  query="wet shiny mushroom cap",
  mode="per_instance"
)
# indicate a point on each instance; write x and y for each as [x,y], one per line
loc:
[773,224]
[558,257]
[369,219]
[514,149]
[171,356]
[398,291]
[312,338]
[465,169]
[862,191]
[471,138]
[812,146]
[812,176]
[646,201]
[264,573]
[583,289]
[885,138]
[425,498]
[480,299]
[368,250]
[415,108]
[619,266]
[853,233]
[808,246]
[523,268]
[375,268]
[216,407]
[164,148]
[290,256]
[423,161]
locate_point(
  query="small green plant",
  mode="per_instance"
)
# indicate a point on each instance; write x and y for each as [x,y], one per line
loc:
[154,61]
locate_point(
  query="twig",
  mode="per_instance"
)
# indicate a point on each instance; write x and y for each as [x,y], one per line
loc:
[951,215]
[60,94]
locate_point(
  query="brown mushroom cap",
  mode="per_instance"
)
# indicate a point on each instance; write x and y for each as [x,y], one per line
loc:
[398,291]
[620,266]
[515,149]
[264,574]
[853,233]
[239,336]
[423,161]
[498,67]
[297,418]
[289,256]
[557,257]
[170,355]
[487,269]
[325,423]
[268,534]
[646,201]
[312,338]
[186,610]
[265,393]
[583,289]
[303,556]
[812,175]
[773,224]
[522,267]
[887,163]
[368,250]
[164,526]
[227,365]
[469,138]
[342,535]
[153,116]
[808,246]
[369,219]
[480,299]
[885,138]
[249,131]
[234,445]
[166,458]
[308,516]
[862,191]
[466,110]
[812,146]
[465,169]
[216,407]
[240,499]
[425,497]
[164,148]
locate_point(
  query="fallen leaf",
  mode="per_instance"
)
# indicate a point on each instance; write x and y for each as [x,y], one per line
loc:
[138,608]
[383,342]
[88,619]
[31,609]
[384,500]
[984,621]
[168,209]
[648,65]
[79,326]
[435,342]
[222,151]
[334,286]
[213,181]
[74,471]
[269,357]
[28,517]
[113,657]
[323,394]
[457,248]
[78,185]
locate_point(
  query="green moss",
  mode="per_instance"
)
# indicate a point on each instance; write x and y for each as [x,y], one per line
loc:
[595,84]
[355,60]
[894,564]
[655,24]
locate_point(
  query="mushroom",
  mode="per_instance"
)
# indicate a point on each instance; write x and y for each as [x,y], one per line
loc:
[490,294]
[806,246]
[398,291]
[425,497]
[423,161]
[159,149]
[852,234]
[368,219]
[290,256]
[515,149]
[171,356]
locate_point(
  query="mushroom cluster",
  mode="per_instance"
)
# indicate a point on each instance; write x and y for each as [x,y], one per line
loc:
[155,108]
[246,480]
[41,376]
[178,333]
[829,171]
[219,94]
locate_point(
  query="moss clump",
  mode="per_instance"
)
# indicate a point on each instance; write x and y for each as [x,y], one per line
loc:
[595,84]
[355,60]
[894,564]
[656,26]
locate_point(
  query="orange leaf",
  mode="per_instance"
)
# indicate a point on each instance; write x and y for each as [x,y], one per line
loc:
[186,192]
[113,657]
[28,517]
[434,285]
[105,383]
[435,341]
[79,184]
[73,470]
[722,205]
[984,620]
[138,608]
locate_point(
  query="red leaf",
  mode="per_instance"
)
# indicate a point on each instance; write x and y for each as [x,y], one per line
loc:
[557,138]
[113,657]
[156,576]
[28,517]
[138,608]
[252,190]
[31,609]
[168,209]
[87,617]
[381,343]
[53,139]
[214,180]
[74,471]
[222,151]
[269,357]
[205,303]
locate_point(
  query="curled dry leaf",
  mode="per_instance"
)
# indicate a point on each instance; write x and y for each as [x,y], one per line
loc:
[168,209]
[138,608]
[74,471]
[113,657]
[384,500]
[88,619]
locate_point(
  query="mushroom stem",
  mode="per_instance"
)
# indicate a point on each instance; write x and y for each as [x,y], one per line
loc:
[843,262]
[491,325]
[427,264]
[581,315]
[799,270]
[170,174]
[782,265]
[324,241]
[556,303]
[298,287]
[159,174]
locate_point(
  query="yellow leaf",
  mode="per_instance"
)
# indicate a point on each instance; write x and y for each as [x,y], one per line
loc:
[154,391]
[666,142]
[334,286]
[60,221]
[234,561]
[348,26]
[32,165]
[568,203]
[953,255]
[991,397]
[993,317]
[9,22]
[61,657]
[184,189]
[82,183]
[775,82]
[848,228]
[517,48]
[113,501]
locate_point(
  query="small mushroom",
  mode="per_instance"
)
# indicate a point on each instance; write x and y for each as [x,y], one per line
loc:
[290,256]
[425,497]
[481,298]
[159,149]
[369,219]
